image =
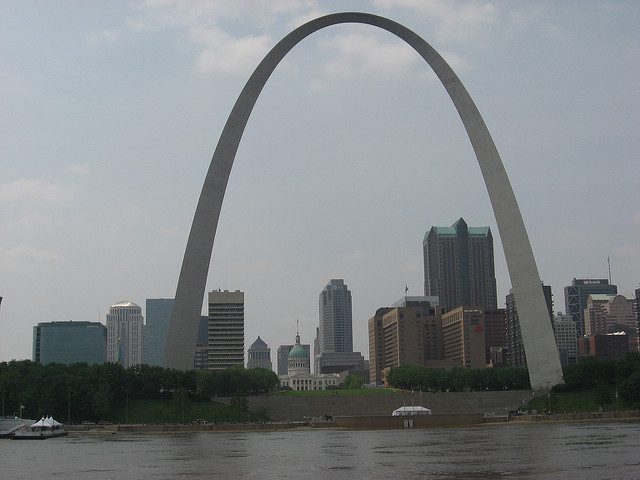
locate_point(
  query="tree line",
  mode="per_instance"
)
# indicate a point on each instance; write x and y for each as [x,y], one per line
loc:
[624,374]
[587,372]
[458,379]
[93,391]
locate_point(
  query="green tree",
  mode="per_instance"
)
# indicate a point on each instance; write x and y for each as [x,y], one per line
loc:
[353,380]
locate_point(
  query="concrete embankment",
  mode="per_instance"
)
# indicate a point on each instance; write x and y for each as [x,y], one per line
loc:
[214,427]
[289,408]
[631,415]
[417,421]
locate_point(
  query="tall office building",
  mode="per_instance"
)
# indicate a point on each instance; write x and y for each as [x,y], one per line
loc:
[69,342]
[565,331]
[125,334]
[495,330]
[516,356]
[463,337]
[576,294]
[459,267]
[226,329]
[282,358]
[155,332]
[376,346]
[335,320]
[201,357]
[612,314]
[638,316]
[259,355]
[408,333]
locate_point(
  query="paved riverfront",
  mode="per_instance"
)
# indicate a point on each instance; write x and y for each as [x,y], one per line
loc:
[583,451]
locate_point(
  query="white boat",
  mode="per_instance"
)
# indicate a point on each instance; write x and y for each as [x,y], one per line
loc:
[41,430]
[411,410]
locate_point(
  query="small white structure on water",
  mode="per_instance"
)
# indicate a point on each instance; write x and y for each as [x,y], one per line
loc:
[411,410]
[41,430]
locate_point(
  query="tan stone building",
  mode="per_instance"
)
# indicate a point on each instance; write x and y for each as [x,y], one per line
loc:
[612,313]
[495,330]
[408,334]
[376,346]
[463,337]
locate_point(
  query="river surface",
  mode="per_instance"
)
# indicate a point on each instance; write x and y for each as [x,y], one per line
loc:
[547,451]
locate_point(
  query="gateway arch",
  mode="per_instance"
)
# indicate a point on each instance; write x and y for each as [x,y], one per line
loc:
[542,354]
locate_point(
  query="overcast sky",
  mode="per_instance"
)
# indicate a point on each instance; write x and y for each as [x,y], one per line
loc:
[110,111]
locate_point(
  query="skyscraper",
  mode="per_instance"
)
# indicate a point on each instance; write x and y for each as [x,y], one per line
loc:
[516,356]
[335,321]
[125,334]
[155,333]
[463,336]
[226,329]
[201,357]
[638,315]
[611,314]
[458,266]
[576,294]
[283,356]
[408,333]
[564,329]
[69,342]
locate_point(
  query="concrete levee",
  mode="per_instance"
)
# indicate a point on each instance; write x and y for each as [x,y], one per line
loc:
[415,421]
[285,408]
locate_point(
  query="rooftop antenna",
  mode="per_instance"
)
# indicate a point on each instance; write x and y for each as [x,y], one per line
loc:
[609,263]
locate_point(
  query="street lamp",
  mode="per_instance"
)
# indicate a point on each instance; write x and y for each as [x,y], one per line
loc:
[548,398]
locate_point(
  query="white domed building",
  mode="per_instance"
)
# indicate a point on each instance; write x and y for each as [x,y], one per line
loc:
[299,377]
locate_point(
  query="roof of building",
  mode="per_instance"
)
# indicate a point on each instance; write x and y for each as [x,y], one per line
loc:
[452,231]
[601,297]
[259,343]
[125,304]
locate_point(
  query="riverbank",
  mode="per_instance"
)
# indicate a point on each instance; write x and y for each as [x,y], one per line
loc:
[623,415]
[362,422]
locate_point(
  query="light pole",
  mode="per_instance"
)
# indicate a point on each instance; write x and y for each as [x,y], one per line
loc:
[548,398]
[3,403]
[126,407]
[68,405]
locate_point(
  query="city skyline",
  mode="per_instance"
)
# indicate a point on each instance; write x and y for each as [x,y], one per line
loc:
[49,198]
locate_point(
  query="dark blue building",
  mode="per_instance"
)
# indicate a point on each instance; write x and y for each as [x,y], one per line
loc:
[69,342]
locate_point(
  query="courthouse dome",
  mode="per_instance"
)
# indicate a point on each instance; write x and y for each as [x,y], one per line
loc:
[125,304]
[298,351]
